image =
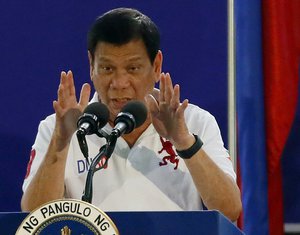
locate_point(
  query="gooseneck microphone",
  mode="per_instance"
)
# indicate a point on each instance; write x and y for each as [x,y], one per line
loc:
[132,115]
[95,116]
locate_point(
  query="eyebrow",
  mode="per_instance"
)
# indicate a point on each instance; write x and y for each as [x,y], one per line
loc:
[103,59]
[132,59]
[135,58]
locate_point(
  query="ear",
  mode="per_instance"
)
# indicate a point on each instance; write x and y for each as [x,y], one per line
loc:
[91,65]
[157,64]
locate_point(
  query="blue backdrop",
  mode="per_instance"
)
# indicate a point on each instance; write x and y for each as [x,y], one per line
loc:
[41,38]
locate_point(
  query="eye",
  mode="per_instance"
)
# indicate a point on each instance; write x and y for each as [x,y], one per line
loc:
[134,68]
[105,69]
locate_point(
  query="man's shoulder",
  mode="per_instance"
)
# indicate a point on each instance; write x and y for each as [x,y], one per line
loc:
[50,119]
[48,123]
[195,110]
[198,118]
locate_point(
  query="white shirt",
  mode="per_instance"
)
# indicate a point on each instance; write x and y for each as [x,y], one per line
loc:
[134,179]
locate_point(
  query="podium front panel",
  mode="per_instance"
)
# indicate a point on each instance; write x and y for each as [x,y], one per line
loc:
[158,223]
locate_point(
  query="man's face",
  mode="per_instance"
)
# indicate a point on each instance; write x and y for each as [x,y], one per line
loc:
[123,73]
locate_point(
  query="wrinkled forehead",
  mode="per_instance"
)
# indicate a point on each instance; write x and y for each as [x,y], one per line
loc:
[132,51]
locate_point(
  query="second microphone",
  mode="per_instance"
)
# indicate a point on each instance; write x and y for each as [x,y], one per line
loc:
[132,115]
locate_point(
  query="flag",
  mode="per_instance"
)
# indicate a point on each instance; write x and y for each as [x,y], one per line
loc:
[267,61]
[250,117]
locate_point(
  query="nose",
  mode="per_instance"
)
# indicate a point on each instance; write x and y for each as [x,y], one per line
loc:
[120,81]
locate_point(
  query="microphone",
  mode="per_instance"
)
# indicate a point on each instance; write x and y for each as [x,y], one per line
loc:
[95,116]
[132,115]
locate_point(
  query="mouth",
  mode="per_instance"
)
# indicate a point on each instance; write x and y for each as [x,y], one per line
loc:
[118,103]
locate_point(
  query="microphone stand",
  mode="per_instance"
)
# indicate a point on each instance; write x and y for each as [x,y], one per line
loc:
[105,151]
[83,144]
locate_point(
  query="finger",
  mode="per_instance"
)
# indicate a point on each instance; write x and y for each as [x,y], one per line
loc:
[168,89]
[57,108]
[63,76]
[182,108]
[61,87]
[70,82]
[162,87]
[67,82]
[60,95]
[175,100]
[155,93]
[152,105]
[85,95]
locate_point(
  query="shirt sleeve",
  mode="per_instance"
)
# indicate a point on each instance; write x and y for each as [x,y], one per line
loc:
[39,148]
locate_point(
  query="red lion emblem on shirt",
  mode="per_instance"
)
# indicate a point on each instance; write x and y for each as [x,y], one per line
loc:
[171,157]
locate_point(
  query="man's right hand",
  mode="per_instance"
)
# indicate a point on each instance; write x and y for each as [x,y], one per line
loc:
[67,108]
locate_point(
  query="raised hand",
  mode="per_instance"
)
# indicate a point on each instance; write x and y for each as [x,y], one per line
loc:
[167,115]
[67,108]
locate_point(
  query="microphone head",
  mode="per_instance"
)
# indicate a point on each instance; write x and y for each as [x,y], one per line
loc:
[134,114]
[96,114]
[138,110]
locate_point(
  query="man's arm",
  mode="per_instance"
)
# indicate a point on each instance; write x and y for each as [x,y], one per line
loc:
[217,189]
[48,182]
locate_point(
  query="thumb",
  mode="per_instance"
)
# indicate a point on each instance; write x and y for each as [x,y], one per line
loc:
[152,104]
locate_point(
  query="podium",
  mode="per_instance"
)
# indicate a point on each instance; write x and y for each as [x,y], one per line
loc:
[144,223]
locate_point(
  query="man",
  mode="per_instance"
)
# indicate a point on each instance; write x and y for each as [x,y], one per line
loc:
[161,165]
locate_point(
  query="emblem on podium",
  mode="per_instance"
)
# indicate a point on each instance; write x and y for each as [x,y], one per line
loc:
[67,217]
[65,231]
